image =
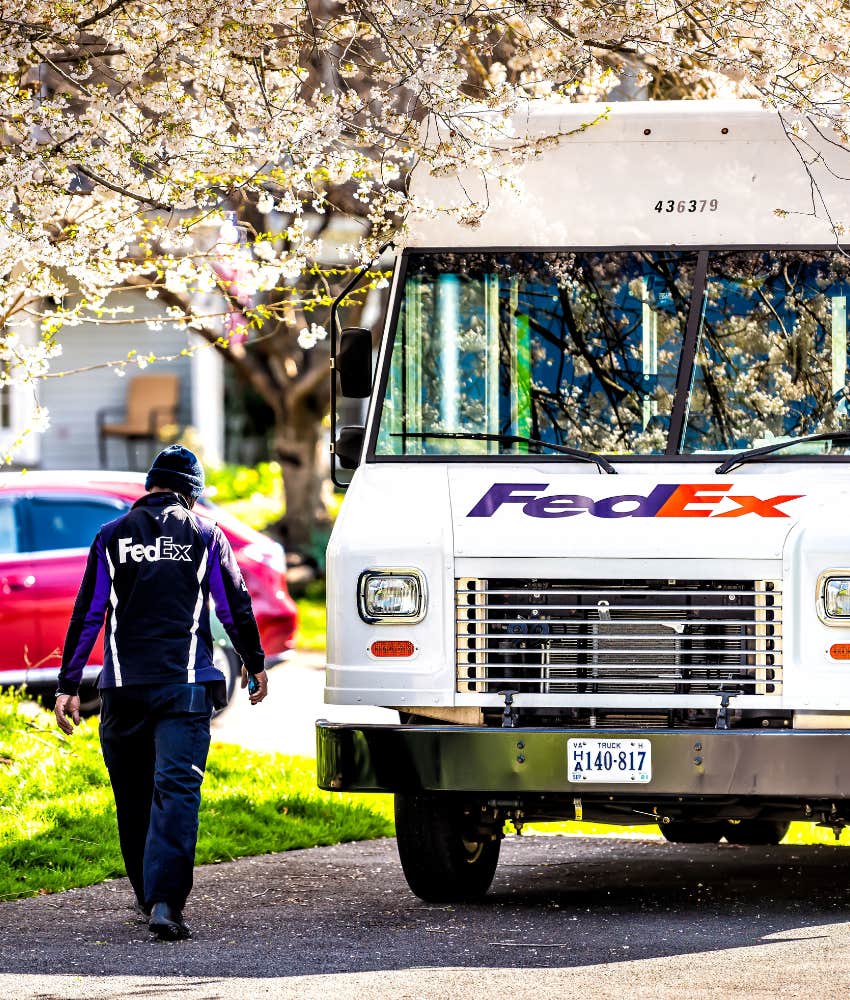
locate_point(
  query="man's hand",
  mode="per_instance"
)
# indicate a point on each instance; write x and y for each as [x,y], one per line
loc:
[262,690]
[67,708]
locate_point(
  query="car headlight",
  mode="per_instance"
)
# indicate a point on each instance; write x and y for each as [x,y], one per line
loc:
[392,596]
[834,598]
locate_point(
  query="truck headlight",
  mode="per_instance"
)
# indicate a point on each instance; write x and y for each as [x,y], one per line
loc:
[392,596]
[834,598]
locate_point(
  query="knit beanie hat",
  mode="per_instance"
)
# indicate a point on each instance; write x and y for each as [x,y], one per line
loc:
[176,468]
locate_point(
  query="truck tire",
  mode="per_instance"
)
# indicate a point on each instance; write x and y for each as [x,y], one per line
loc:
[689,832]
[440,864]
[756,832]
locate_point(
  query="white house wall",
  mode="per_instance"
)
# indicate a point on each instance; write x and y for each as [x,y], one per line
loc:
[73,401]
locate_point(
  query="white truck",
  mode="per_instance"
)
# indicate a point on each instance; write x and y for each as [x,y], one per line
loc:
[596,550]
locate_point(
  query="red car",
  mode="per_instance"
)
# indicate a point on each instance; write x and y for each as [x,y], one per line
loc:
[47,523]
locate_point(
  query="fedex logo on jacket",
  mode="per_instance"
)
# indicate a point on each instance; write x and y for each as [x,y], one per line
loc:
[163,548]
[665,500]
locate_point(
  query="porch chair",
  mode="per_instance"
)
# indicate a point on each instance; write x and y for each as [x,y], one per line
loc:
[152,402]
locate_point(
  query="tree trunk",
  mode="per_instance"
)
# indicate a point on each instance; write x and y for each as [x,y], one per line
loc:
[298,444]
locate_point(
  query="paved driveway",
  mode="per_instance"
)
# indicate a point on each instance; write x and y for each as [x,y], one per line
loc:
[567,917]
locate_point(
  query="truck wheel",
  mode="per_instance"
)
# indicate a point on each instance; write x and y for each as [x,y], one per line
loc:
[761,832]
[440,862]
[682,832]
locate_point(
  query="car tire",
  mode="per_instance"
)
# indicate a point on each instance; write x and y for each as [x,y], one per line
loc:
[756,832]
[88,693]
[690,832]
[227,661]
[89,699]
[440,861]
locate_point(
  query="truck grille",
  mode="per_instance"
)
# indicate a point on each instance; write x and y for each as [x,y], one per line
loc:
[621,637]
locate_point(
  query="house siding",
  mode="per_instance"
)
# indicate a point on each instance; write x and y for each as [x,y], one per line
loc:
[73,401]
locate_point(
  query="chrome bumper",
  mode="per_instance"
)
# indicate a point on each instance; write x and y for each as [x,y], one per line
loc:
[800,764]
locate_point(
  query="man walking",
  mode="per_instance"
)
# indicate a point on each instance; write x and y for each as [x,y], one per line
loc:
[152,572]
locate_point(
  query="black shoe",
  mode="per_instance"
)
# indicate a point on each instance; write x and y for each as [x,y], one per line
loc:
[167,923]
[141,910]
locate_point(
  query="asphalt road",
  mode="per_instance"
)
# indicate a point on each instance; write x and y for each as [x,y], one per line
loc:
[567,917]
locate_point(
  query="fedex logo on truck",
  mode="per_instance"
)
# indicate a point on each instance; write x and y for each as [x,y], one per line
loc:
[665,500]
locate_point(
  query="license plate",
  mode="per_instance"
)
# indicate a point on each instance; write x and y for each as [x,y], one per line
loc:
[614,761]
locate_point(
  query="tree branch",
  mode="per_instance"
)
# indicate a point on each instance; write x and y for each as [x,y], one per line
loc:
[89,21]
[243,361]
[150,202]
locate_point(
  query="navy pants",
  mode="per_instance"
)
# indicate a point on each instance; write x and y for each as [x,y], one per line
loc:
[155,742]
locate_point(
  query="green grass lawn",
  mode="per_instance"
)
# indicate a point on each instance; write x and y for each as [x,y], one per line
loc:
[254,494]
[312,618]
[57,821]
[312,622]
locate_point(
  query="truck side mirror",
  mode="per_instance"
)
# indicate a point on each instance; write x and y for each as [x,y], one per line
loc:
[349,445]
[354,363]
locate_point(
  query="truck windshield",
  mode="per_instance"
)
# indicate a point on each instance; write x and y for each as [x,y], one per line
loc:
[583,349]
[771,358]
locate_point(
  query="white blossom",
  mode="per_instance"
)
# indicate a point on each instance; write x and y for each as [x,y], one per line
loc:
[264,250]
[136,136]
[39,419]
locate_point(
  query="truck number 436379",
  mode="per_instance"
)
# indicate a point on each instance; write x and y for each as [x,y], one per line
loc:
[687,205]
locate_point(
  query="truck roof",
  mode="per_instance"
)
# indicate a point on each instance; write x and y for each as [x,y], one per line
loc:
[641,174]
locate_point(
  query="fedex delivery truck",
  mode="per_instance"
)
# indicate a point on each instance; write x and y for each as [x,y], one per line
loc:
[596,549]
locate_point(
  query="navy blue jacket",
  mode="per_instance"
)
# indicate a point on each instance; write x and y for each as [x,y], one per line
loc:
[152,572]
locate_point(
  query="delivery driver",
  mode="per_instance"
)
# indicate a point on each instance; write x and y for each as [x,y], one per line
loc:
[152,572]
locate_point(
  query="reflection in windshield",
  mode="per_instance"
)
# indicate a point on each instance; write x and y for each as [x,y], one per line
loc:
[772,357]
[582,349]
[576,349]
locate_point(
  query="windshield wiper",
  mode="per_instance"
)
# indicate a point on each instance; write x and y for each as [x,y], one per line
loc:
[563,449]
[751,454]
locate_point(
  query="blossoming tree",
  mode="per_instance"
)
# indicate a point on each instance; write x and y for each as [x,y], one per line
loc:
[197,149]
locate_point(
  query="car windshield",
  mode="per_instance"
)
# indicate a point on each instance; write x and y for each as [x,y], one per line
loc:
[583,349]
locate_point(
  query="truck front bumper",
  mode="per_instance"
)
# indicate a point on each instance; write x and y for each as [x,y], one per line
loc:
[800,764]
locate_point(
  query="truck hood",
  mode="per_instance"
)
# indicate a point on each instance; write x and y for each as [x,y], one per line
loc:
[529,510]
